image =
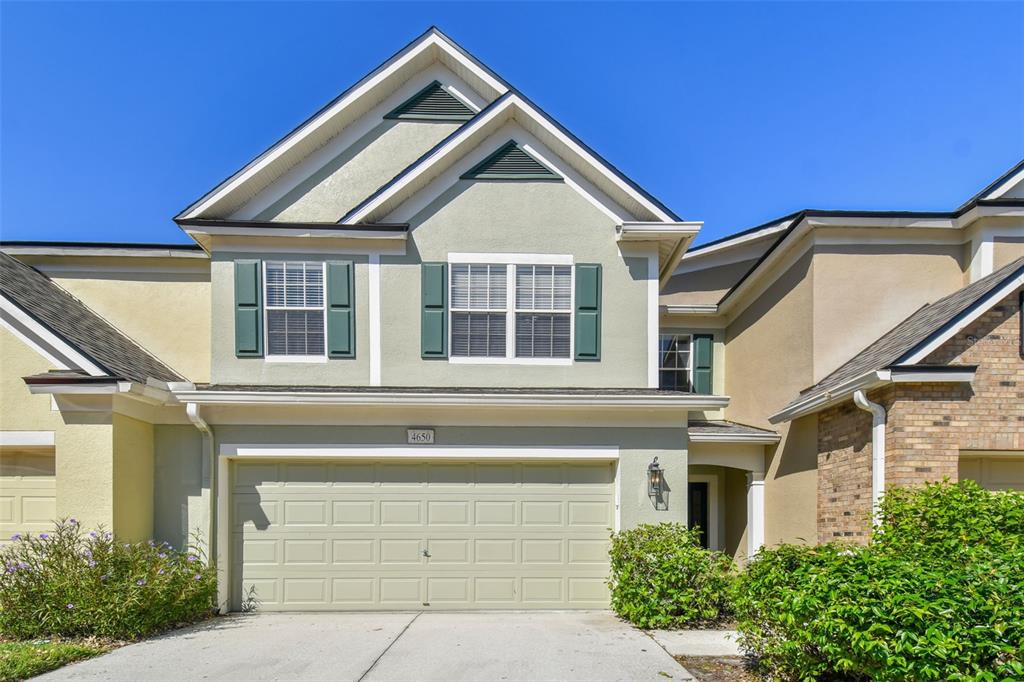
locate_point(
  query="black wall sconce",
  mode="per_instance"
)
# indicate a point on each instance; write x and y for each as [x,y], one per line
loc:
[657,488]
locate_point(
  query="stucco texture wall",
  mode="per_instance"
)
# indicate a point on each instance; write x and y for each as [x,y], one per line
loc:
[704,286]
[1005,250]
[181,485]
[357,172]
[515,217]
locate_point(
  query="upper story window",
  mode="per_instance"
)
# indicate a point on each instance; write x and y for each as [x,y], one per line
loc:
[505,311]
[675,366]
[295,310]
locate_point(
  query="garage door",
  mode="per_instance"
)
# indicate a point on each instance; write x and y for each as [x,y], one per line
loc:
[27,492]
[401,535]
[1002,471]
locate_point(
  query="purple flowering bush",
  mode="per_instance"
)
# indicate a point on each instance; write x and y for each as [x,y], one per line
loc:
[72,583]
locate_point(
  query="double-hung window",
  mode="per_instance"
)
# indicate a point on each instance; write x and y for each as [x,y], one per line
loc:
[511,311]
[675,365]
[543,311]
[295,309]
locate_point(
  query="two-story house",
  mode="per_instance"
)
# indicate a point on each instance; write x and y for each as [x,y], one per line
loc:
[430,349]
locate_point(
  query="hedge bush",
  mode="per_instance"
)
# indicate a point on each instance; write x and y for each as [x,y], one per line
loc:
[73,584]
[938,594]
[662,578]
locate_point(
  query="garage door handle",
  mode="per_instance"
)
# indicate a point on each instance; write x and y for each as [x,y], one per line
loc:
[426,553]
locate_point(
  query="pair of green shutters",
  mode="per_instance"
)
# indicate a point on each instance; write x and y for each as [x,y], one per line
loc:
[341,321]
[434,316]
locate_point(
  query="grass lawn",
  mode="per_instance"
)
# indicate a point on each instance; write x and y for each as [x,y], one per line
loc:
[21,660]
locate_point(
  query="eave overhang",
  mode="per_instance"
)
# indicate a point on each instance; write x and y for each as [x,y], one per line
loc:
[203,230]
[872,380]
[691,309]
[672,239]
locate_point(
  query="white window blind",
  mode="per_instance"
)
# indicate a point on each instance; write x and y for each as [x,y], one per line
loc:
[295,308]
[674,366]
[543,306]
[479,304]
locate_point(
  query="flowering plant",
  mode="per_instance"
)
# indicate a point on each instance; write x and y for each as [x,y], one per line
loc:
[71,583]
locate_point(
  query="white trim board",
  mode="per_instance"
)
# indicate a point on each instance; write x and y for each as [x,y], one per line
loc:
[378,451]
[27,439]
[43,341]
[374,313]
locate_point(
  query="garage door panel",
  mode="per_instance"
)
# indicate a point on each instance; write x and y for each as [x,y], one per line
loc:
[496,535]
[28,499]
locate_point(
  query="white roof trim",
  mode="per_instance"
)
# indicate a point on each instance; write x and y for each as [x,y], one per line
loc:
[709,309]
[462,400]
[432,39]
[90,250]
[976,311]
[700,251]
[40,339]
[1006,185]
[341,232]
[509,103]
[377,450]
[757,439]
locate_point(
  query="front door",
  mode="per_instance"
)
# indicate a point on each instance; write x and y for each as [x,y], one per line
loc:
[697,494]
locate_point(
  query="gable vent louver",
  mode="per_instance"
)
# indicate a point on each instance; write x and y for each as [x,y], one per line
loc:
[432,103]
[510,162]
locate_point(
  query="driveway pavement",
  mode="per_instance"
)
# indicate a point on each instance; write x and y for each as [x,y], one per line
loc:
[368,647]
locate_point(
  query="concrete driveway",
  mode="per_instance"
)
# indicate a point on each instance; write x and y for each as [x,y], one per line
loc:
[563,645]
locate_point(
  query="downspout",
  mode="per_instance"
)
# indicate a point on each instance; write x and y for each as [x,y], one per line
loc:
[877,449]
[192,410]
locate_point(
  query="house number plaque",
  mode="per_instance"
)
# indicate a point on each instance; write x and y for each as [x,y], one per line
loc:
[421,436]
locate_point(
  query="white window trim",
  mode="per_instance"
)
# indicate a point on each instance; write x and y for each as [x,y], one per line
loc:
[266,316]
[511,260]
[689,369]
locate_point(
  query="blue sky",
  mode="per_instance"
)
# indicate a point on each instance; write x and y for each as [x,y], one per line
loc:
[115,116]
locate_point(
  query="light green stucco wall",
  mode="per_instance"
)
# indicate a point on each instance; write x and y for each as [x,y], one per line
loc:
[181,486]
[344,181]
[515,217]
[228,369]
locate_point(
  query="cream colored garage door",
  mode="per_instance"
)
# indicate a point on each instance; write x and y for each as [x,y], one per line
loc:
[404,535]
[27,491]
[997,471]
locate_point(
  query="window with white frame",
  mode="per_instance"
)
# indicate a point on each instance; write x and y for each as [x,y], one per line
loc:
[543,309]
[295,310]
[512,311]
[675,366]
[479,304]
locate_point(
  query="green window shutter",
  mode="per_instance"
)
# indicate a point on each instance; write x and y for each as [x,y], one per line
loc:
[248,309]
[703,360]
[341,320]
[434,319]
[588,312]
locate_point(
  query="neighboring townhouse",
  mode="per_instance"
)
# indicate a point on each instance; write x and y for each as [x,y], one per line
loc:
[430,349]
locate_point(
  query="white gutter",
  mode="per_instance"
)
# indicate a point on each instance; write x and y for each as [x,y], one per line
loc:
[877,449]
[704,309]
[755,438]
[215,544]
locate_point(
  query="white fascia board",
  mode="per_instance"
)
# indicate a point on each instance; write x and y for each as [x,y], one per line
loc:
[930,376]
[510,104]
[26,439]
[693,309]
[461,400]
[741,240]
[341,232]
[635,231]
[431,40]
[79,389]
[995,296]
[819,401]
[45,342]
[103,252]
[379,451]
[755,439]
[1006,185]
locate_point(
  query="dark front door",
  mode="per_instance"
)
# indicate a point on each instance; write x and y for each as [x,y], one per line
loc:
[697,494]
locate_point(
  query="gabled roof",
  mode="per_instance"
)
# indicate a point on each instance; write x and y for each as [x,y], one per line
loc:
[510,162]
[63,315]
[432,103]
[907,344]
[430,46]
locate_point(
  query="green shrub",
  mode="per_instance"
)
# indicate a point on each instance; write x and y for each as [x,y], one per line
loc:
[935,595]
[662,578]
[72,584]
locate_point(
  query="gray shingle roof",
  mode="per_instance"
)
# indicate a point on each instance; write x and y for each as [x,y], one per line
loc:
[71,320]
[899,342]
[726,428]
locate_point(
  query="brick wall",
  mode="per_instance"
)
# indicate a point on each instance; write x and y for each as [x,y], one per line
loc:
[927,424]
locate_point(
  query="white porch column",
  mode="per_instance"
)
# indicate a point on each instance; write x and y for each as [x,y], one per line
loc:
[755,512]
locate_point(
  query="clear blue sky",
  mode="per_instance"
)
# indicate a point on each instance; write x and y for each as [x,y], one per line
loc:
[115,116]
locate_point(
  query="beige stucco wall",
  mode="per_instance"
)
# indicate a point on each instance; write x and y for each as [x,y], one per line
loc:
[167,312]
[181,485]
[863,291]
[1005,250]
[515,217]
[704,286]
[133,478]
[331,191]
[228,369]
[83,440]
[769,355]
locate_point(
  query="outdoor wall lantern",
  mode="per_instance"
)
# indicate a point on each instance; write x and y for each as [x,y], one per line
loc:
[657,490]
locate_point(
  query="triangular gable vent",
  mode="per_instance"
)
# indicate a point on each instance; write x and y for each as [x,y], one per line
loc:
[433,103]
[510,162]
